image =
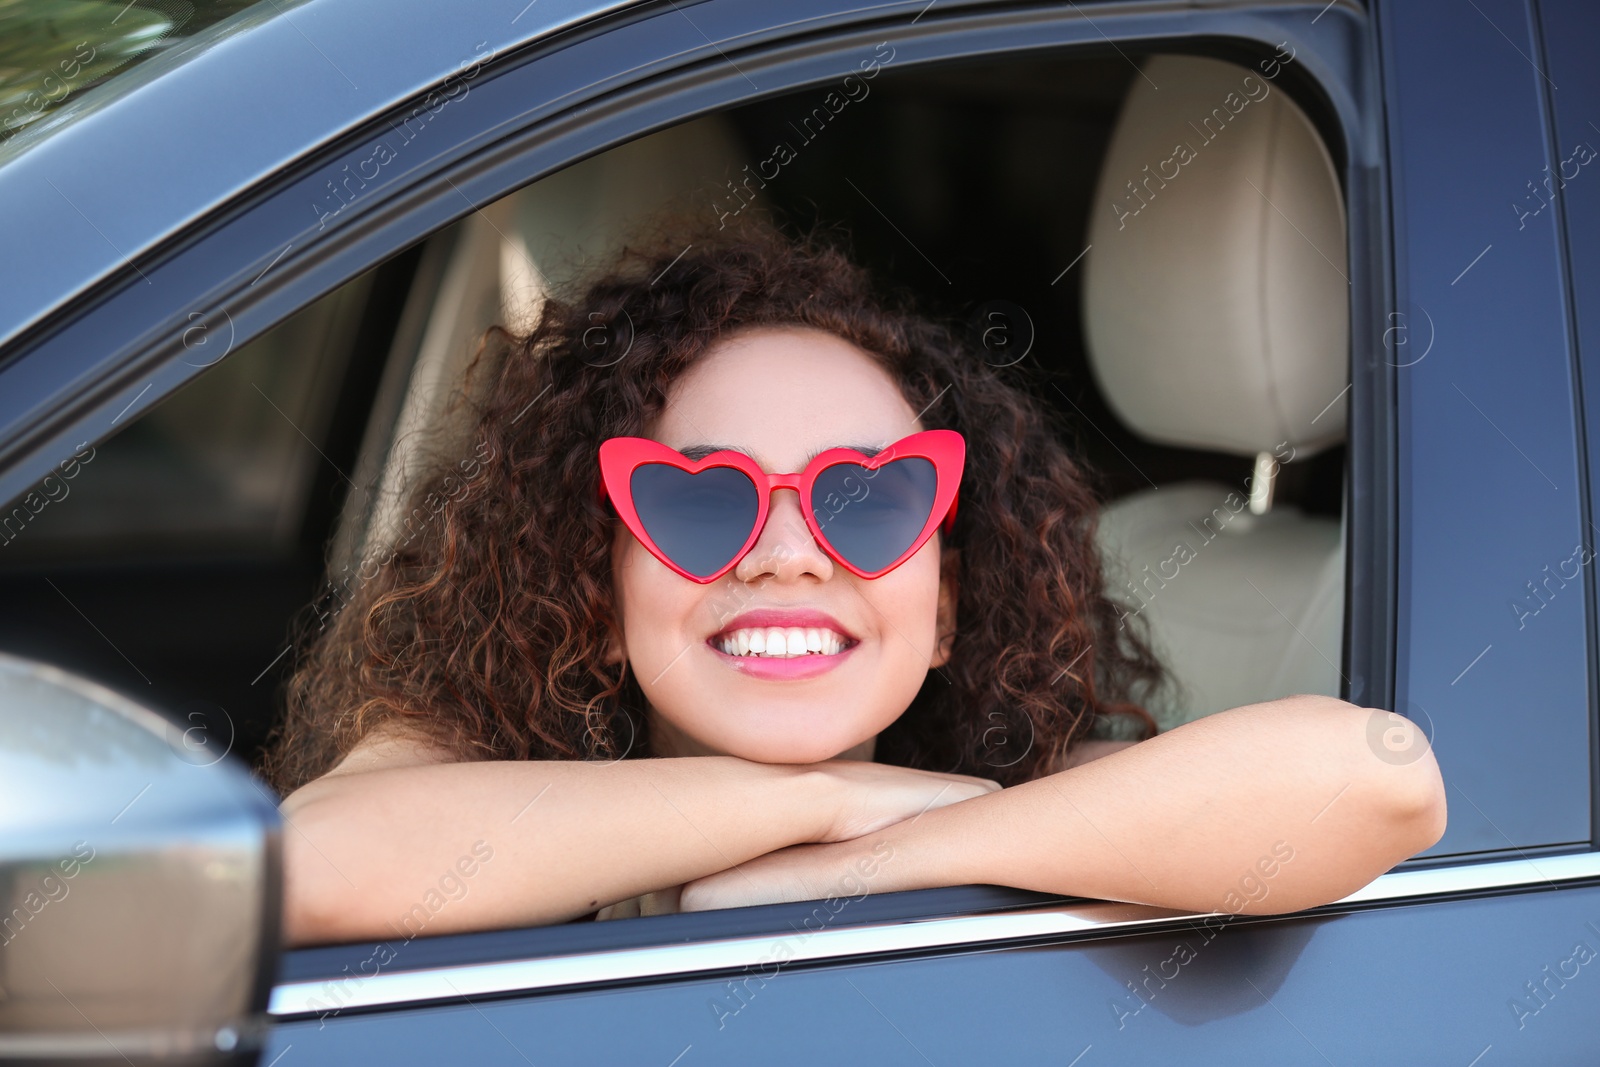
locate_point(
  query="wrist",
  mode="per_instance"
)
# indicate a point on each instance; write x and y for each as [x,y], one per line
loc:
[817,796]
[869,865]
[927,851]
[801,798]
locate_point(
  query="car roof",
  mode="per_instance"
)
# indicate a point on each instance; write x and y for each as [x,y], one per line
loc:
[151,151]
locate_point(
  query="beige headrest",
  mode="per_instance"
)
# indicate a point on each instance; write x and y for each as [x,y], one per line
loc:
[1216,298]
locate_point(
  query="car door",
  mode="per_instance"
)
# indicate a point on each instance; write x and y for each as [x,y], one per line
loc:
[1466,480]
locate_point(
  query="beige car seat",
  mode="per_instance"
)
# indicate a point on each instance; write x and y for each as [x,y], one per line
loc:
[1216,309]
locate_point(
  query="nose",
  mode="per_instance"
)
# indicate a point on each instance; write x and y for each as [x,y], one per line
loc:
[785,550]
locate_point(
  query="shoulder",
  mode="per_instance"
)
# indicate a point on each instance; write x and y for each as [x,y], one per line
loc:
[388,746]
[1088,751]
[392,745]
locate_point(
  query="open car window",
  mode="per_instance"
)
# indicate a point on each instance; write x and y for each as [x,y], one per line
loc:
[294,454]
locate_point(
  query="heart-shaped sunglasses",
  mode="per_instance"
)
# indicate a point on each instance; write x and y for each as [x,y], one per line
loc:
[869,513]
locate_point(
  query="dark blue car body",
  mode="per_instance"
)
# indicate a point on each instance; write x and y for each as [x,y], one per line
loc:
[248,180]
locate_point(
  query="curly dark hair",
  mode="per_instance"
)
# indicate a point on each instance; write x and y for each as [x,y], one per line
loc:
[485,631]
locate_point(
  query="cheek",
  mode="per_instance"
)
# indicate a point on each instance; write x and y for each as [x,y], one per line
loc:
[656,608]
[907,600]
[637,589]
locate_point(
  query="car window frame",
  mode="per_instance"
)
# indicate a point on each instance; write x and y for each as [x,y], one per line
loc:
[1518,703]
[1561,23]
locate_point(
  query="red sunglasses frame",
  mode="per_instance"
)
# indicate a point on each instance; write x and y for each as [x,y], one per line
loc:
[945,449]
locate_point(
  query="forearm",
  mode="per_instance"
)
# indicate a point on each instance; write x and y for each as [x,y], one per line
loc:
[363,851]
[1263,809]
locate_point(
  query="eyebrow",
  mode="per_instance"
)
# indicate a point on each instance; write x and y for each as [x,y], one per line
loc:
[699,452]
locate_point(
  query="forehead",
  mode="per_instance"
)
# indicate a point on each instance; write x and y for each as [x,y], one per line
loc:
[781,394]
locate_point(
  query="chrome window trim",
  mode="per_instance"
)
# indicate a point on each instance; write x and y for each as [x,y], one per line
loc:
[1068,921]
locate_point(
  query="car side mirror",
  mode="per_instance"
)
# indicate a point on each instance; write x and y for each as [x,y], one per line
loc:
[140,883]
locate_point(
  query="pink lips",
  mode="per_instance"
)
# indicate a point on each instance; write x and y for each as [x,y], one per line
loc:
[792,668]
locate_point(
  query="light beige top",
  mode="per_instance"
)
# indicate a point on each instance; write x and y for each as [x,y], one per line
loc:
[660,902]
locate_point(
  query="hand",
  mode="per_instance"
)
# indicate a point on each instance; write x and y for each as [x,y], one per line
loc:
[867,797]
[837,870]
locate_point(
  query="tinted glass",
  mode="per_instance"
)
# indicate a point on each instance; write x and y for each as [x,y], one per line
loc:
[873,516]
[223,465]
[698,520]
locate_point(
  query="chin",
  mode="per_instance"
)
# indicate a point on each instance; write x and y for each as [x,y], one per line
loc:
[805,743]
[812,752]
[797,725]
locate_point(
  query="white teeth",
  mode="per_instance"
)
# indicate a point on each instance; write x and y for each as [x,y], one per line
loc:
[781,642]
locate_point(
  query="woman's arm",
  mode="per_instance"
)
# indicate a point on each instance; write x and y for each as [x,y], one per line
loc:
[399,841]
[1268,808]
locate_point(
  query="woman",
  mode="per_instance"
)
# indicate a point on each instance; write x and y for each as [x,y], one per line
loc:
[595,679]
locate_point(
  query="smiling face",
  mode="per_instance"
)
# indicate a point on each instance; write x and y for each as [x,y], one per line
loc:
[780,395]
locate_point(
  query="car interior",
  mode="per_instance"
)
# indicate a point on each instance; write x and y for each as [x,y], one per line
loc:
[1190,331]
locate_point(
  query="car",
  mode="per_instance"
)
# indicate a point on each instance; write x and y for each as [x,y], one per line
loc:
[249,247]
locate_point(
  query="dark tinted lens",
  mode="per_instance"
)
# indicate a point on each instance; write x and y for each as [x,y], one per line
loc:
[872,517]
[698,520]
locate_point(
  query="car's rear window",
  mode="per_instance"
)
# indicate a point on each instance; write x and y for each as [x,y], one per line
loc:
[53,51]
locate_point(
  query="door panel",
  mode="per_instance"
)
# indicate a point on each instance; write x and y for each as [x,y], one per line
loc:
[1426,983]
